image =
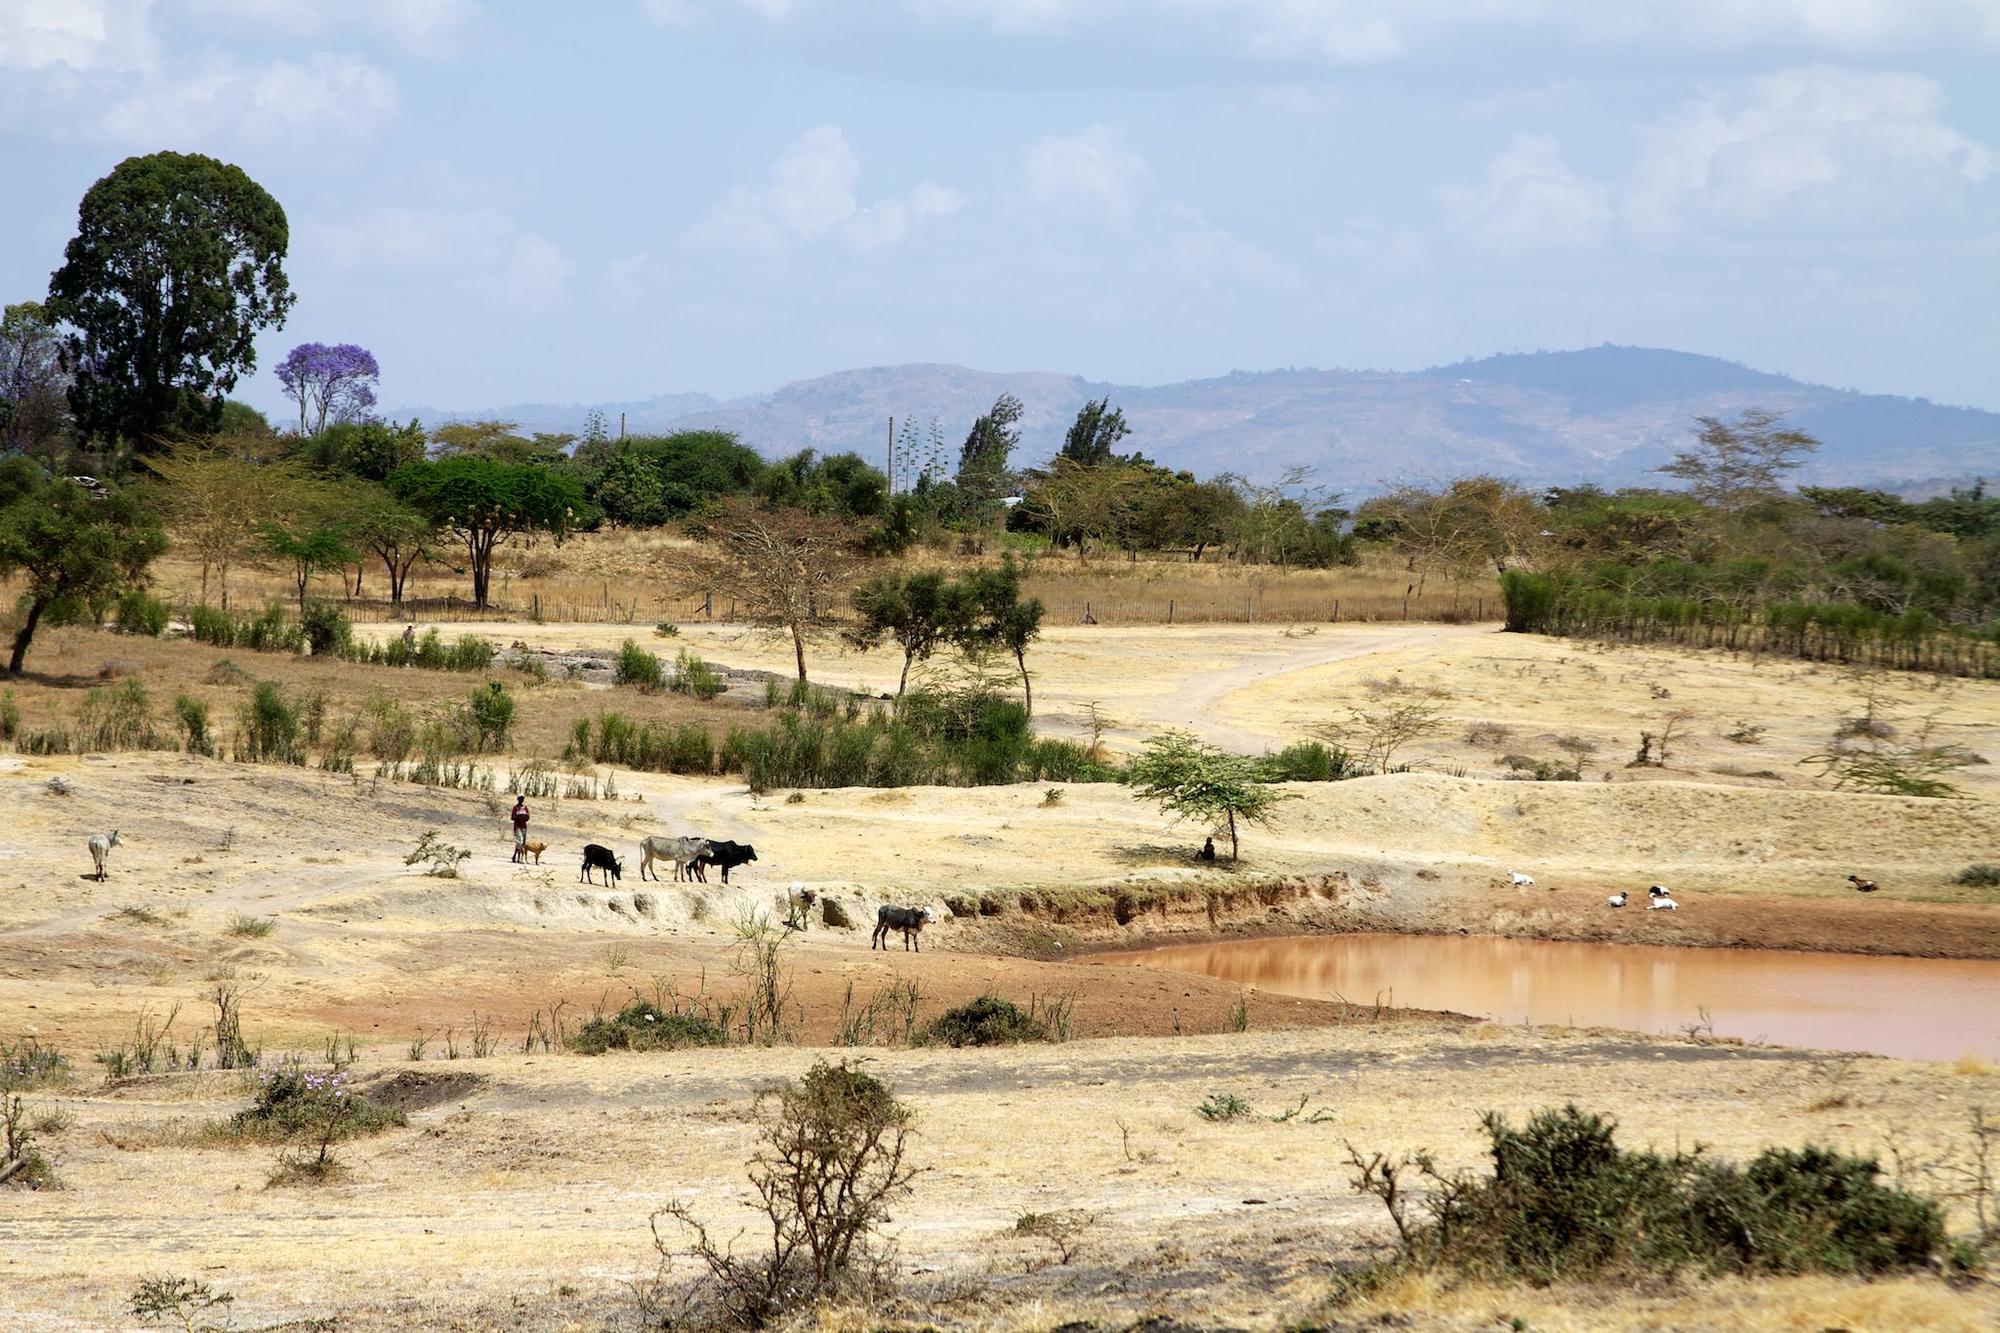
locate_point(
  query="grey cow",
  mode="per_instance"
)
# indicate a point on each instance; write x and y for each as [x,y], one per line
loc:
[910,920]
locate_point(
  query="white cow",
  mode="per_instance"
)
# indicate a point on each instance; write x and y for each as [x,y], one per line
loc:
[683,852]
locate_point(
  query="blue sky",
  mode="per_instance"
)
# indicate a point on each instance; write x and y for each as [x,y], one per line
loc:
[511,200]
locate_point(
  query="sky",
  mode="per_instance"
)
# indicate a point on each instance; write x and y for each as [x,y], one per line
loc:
[509,200]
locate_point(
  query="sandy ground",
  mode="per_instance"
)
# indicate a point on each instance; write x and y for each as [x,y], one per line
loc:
[519,1200]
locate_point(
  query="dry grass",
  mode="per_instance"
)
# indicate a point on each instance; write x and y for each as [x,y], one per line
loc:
[65,663]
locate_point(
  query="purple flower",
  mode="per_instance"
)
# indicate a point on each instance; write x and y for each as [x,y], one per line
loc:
[336,382]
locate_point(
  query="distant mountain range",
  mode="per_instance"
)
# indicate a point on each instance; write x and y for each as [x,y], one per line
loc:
[1606,414]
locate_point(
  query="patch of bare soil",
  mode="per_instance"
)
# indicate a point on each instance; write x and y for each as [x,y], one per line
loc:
[420,1090]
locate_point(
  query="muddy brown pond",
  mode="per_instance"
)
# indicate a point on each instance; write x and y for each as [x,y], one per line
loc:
[1916,1008]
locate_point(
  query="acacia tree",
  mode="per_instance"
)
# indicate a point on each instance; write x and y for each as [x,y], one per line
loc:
[398,534]
[335,381]
[487,504]
[920,611]
[177,263]
[77,548]
[784,567]
[1733,465]
[215,492]
[1191,779]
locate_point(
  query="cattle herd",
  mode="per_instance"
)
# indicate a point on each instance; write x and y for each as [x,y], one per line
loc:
[690,858]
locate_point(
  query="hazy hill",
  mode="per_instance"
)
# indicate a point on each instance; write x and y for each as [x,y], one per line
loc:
[1605,413]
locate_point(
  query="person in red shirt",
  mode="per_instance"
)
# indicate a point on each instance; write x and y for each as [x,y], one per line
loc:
[520,825]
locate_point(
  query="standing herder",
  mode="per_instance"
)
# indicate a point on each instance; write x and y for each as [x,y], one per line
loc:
[520,826]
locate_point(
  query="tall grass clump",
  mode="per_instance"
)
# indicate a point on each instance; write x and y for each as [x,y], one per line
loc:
[1310,761]
[652,747]
[271,728]
[139,612]
[428,652]
[116,717]
[993,1021]
[192,714]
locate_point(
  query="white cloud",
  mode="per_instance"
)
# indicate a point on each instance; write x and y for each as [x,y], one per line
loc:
[1528,199]
[476,252]
[1090,173]
[1839,149]
[82,36]
[415,25]
[282,101]
[810,194]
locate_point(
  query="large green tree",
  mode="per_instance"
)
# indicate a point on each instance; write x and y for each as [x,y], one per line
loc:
[77,547]
[486,504]
[1092,439]
[177,264]
[920,611]
[983,459]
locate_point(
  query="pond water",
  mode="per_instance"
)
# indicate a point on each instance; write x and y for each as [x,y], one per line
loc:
[1916,1008]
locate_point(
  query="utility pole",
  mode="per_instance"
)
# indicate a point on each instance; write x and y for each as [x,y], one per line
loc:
[621,425]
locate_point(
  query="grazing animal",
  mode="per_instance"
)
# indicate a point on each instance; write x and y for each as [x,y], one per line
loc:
[722,852]
[683,852]
[910,920]
[1862,885]
[799,902]
[534,849]
[1657,891]
[1663,904]
[1521,881]
[598,857]
[1617,899]
[100,848]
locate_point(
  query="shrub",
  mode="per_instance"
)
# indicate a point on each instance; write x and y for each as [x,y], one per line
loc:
[1565,1202]
[22,1161]
[1980,876]
[10,716]
[139,612]
[468,652]
[192,714]
[444,858]
[644,1026]
[270,730]
[696,677]
[116,717]
[830,1163]
[213,625]
[1309,761]
[639,668]
[491,713]
[1220,1107]
[184,1300]
[290,1103]
[986,1021]
[326,629]
[269,632]
[27,1063]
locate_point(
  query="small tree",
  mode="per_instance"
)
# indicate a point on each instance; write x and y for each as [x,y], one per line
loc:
[309,544]
[1379,730]
[486,504]
[1733,465]
[1094,435]
[830,1163]
[784,567]
[337,382]
[1003,620]
[214,493]
[397,534]
[920,611]
[78,549]
[1191,779]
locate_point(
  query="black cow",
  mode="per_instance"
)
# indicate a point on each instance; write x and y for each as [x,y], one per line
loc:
[726,854]
[909,920]
[598,857]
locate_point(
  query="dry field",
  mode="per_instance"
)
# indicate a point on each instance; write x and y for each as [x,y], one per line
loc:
[517,1197]
[620,577]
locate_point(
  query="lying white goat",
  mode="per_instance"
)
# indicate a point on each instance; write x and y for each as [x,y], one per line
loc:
[100,847]
[1520,880]
[1617,899]
[1663,904]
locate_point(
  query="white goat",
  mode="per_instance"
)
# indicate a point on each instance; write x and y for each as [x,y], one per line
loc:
[1520,880]
[1617,899]
[1663,904]
[100,847]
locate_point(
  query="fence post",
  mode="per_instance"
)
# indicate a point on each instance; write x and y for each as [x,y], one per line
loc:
[1481,615]
[1406,606]
[1246,609]
[1170,610]
[1336,610]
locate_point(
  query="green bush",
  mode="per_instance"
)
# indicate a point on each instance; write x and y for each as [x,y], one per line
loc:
[986,1021]
[269,632]
[1565,1202]
[10,716]
[139,612]
[694,676]
[491,712]
[1980,876]
[192,713]
[643,1026]
[294,1102]
[326,629]
[1309,761]
[213,625]
[639,668]
[116,717]
[271,728]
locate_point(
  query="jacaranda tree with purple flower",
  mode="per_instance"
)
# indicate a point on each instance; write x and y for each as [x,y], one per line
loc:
[335,382]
